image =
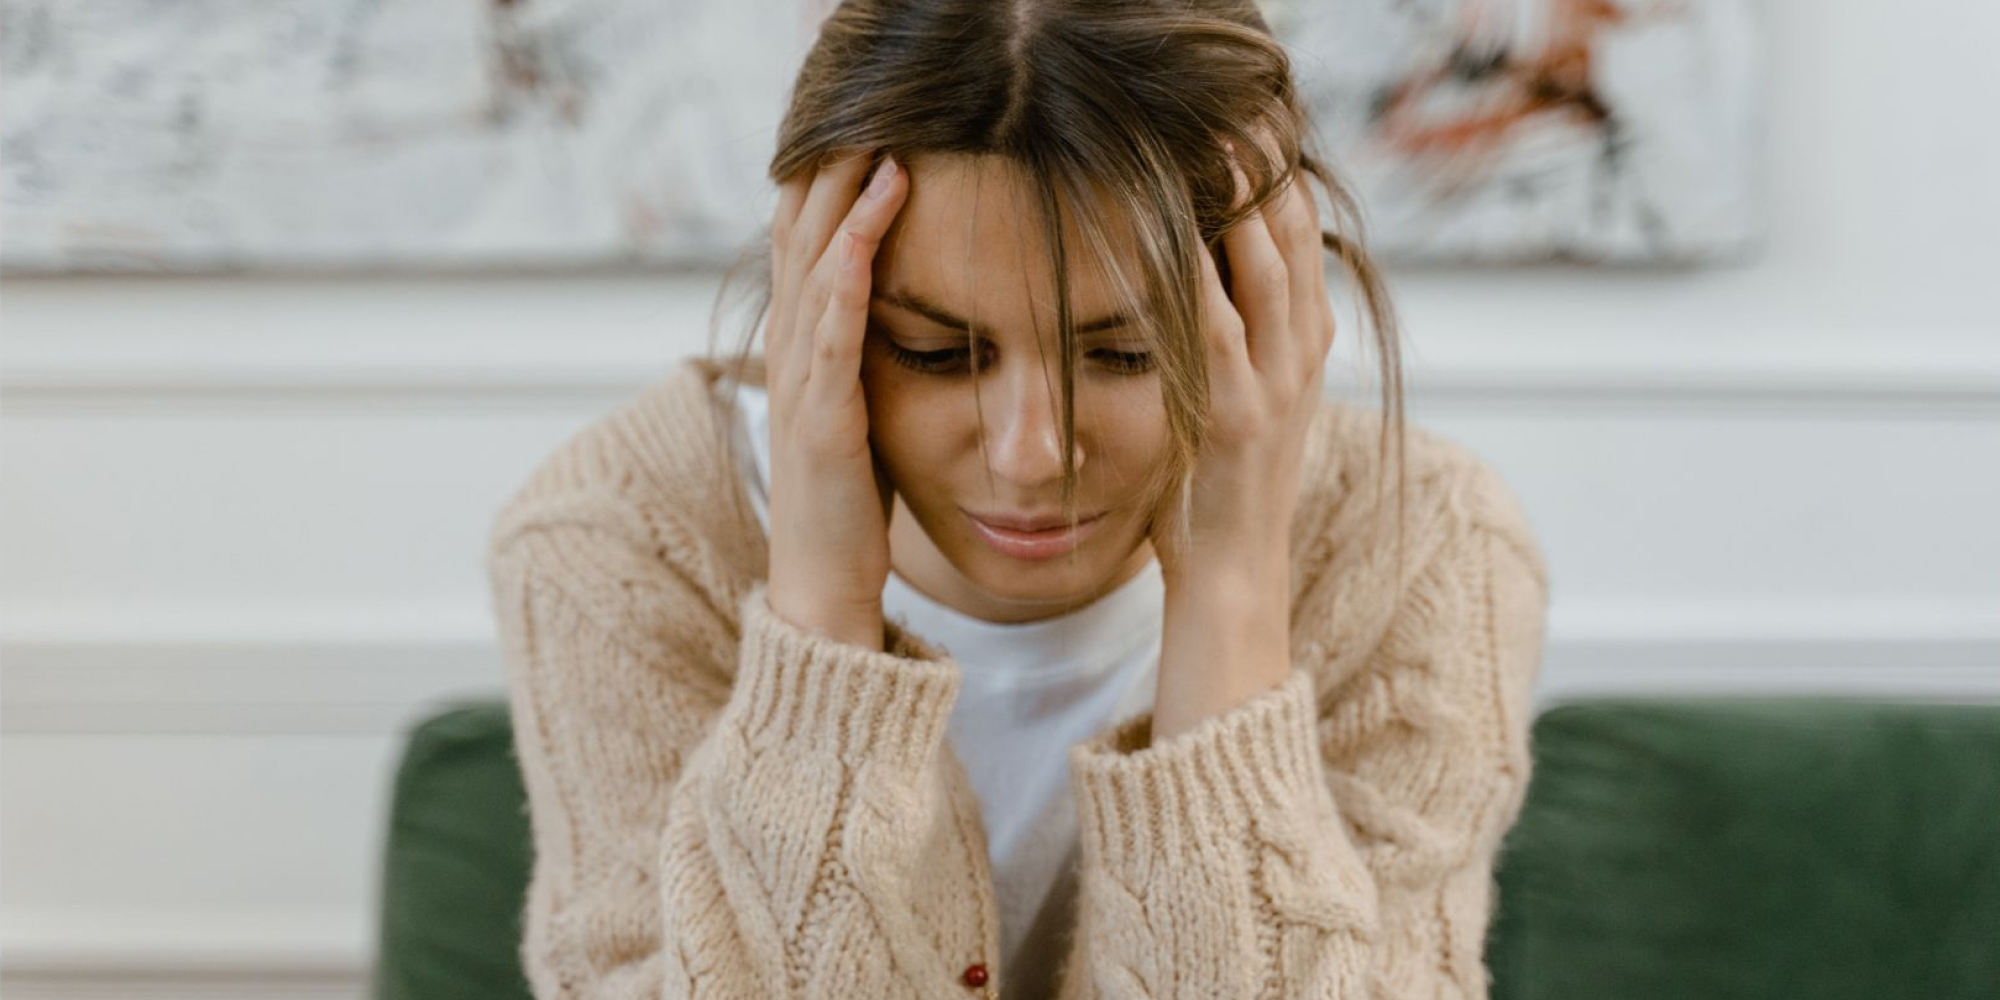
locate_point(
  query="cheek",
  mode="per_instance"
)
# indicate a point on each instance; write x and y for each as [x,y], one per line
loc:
[905,429]
[1134,435]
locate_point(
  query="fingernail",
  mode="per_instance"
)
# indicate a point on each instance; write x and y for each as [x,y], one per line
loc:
[879,186]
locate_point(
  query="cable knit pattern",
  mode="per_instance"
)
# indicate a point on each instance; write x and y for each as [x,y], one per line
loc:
[727,805]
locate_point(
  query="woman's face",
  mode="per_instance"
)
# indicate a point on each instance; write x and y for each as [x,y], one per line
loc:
[966,247]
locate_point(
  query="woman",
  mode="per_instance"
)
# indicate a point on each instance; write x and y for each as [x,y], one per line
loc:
[799,716]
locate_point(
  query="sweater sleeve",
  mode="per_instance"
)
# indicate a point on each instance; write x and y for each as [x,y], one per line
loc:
[782,832]
[1281,850]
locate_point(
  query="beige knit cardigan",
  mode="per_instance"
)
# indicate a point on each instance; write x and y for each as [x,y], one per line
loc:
[724,805]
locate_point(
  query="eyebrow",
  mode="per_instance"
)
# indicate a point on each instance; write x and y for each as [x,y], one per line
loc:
[938,314]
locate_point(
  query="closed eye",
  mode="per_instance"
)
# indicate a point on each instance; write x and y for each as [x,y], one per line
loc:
[956,360]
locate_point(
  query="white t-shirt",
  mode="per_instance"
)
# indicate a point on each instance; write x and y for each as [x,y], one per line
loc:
[1028,692]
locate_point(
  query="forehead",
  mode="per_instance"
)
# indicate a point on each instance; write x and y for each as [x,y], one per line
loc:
[970,237]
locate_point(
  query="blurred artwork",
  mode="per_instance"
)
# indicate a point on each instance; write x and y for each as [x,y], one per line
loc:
[1516,130]
[496,134]
[389,134]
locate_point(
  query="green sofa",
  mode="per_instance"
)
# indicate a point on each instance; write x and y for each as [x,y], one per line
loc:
[1669,849]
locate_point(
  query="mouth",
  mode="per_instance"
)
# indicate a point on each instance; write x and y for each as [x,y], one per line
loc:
[1032,545]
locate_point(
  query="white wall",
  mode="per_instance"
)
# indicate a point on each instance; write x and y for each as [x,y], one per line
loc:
[243,517]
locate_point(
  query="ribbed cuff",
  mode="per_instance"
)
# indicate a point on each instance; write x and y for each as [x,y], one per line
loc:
[1137,806]
[816,694]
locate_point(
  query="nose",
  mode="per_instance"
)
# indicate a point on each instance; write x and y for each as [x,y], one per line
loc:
[1024,432]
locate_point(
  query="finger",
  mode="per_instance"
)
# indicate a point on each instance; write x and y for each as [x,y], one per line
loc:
[1299,236]
[847,277]
[828,197]
[1260,286]
[791,198]
[827,202]
[848,215]
[1221,324]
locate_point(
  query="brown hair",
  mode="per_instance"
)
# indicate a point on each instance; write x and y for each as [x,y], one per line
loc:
[1122,113]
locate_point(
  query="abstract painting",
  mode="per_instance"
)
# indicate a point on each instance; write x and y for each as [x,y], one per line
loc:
[496,134]
[1509,130]
[388,134]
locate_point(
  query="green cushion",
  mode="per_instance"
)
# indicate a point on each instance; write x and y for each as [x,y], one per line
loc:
[1694,849]
[456,864]
[1754,848]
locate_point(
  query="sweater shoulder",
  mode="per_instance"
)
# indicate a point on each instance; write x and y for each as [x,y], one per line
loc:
[1349,489]
[645,490]
[1361,558]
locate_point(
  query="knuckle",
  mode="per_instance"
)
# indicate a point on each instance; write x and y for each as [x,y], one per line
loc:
[1271,277]
[848,292]
[1289,392]
[826,342]
[821,340]
[806,315]
[785,387]
[834,289]
[1228,330]
[822,282]
[860,238]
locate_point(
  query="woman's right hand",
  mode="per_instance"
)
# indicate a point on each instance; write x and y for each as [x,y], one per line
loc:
[829,500]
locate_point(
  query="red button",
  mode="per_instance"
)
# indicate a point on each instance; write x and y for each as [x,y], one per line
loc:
[975,975]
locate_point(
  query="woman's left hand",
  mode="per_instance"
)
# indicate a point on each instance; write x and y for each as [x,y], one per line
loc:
[1226,637]
[1268,337]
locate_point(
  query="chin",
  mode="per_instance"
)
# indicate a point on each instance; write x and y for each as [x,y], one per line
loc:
[1045,579]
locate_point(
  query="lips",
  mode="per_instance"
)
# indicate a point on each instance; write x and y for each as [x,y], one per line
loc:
[1034,545]
[1029,523]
